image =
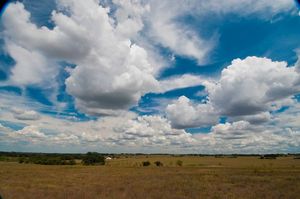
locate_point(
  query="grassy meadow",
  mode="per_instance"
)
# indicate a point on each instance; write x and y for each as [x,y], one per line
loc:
[126,177]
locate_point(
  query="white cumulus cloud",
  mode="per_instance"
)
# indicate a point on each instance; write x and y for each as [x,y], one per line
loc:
[183,113]
[252,86]
[247,89]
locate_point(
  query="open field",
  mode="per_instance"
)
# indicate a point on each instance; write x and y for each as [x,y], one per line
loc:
[198,177]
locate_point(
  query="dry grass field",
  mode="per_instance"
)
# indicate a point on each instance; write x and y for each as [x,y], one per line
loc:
[198,177]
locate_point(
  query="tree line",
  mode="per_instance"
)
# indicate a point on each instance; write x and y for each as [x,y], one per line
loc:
[90,158]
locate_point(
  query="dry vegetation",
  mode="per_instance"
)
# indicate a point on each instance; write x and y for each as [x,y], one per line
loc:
[198,177]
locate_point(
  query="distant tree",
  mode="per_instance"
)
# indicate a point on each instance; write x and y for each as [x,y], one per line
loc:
[21,160]
[92,158]
[146,163]
[158,163]
[179,163]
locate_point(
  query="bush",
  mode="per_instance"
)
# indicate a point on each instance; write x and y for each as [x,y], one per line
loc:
[146,163]
[92,158]
[158,163]
[21,160]
[179,163]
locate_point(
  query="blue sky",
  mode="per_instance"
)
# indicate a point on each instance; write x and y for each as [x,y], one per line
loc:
[150,76]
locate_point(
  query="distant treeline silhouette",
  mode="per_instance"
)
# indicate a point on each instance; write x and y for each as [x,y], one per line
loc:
[94,158]
[90,158]
[45,160]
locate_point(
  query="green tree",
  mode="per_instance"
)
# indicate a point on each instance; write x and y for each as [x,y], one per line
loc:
[92,158]
[146,163]
[158,163]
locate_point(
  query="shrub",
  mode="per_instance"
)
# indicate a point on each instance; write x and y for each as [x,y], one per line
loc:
[158,163]
[146,163]
[179,163]
[21,160]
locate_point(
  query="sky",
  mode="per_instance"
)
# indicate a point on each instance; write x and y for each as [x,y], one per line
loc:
[150,76]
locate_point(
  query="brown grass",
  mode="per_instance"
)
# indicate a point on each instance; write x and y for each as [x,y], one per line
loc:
[199,177]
